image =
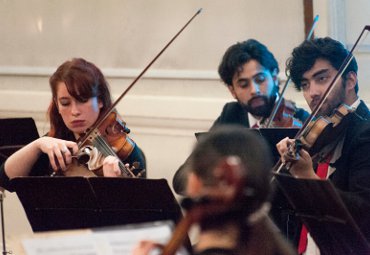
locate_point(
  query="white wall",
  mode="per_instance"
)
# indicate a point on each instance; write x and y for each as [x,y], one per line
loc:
[180,94]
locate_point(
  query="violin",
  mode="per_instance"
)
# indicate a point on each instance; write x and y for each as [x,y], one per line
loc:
[109,134]
[284,116]
[110,138]
[321,135]
[325,129]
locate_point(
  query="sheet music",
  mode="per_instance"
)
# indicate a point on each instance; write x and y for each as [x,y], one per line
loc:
[107,241]
[84,244]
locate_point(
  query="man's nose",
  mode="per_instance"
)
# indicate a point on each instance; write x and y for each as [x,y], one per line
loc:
[255,88]
[314,90]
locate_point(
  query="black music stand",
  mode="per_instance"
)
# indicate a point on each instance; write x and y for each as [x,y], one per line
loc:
[14,134]
[321,209]
[275,135]
[62,203]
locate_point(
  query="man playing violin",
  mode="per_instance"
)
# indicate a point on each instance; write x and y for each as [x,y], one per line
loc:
[250,72]
[312,67]
[80,95]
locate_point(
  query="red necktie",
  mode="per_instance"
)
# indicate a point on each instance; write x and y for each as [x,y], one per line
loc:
[255,125]
[322,172]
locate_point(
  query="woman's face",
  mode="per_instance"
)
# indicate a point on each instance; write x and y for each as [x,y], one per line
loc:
[78,116]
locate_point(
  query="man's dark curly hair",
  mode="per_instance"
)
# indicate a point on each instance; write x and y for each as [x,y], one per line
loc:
[305,55]
[242,52]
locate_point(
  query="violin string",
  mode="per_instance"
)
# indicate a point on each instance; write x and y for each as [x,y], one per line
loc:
[107,150]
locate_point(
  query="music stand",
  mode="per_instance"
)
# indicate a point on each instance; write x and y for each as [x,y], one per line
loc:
[321,209]
[62,203]
[14,134]
[275,135]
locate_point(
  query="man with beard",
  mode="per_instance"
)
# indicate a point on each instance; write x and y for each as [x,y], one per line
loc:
[250,72]
[346,161]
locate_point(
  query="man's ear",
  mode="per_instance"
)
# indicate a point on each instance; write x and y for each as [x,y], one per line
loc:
[100,104]
[232,91]
[351,81]
[275,77]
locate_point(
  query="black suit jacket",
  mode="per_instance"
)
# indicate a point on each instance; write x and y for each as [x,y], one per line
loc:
[352,174]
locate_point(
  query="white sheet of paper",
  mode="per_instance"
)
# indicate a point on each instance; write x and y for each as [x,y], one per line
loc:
[84,244]
[105,241]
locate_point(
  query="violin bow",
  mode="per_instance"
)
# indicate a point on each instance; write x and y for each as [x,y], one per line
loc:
[278,103]
[110,109]
[279,165]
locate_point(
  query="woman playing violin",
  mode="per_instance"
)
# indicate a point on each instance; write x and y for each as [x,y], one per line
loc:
[229,184]
[80,95]
[312,67]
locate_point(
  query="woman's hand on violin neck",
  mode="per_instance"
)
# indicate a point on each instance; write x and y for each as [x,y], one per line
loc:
[111,167]
[59,151]
[301,164]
